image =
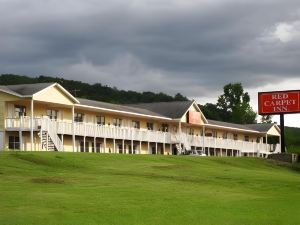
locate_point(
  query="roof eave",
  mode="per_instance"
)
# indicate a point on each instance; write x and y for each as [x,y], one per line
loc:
[125,112]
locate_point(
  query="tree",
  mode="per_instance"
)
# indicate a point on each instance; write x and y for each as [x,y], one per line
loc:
[211,111]
[266,119]
[234,105]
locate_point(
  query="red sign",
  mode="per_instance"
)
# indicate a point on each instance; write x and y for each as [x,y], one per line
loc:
[279,102]
[194,117]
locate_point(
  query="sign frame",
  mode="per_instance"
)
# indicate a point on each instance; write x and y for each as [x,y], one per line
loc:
[273,92]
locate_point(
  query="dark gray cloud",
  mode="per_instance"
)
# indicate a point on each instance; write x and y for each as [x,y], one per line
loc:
[193,47]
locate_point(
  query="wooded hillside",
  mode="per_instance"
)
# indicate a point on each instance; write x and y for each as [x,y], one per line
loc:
[95,91]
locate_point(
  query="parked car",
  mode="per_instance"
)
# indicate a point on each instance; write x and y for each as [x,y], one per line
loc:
[197,153]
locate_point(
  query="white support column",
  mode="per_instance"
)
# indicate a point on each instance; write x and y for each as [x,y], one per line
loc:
[73,128]
[123,146]
[41,138]
[95,150]
[203,139]
[62,141]
[104,145]
[156,148]
[114,146]
[31,125]
[84,144]
[47,136]
[267,142]
[149,148]
[140,147]
[131,146]
[21,140]
[179,132]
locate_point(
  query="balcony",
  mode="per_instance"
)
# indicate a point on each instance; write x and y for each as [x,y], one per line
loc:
[126,133]
[87,129]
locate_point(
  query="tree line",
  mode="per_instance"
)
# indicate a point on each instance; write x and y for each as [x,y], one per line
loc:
[97,91]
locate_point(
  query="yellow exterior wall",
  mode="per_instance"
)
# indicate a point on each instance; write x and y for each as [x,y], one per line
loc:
[53,95]
[4,97]
[240,135]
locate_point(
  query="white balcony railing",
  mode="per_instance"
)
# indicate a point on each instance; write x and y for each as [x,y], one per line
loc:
[94,130]
[89,129]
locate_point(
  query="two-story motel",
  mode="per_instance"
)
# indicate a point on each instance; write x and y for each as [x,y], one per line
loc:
[46,117]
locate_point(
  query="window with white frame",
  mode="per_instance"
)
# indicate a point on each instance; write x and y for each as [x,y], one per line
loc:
[235,137]
[150,126]
[14,142]
[52,114]
[165,127]
[247,138]
[78,117]
[191,131]
[117,122]
[136,124]
[215,133]
[20,111]
[100,120]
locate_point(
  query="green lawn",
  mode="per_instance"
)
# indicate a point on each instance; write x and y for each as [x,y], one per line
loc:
[67,188]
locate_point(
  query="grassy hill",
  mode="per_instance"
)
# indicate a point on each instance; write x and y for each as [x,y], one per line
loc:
[82,188]
[293,139]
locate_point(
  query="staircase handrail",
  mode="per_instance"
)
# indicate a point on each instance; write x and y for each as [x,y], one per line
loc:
[49,125]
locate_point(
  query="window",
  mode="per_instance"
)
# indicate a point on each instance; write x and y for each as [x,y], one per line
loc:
[120,148]
[150,126]
[82,146]
[20,111]
[246,138]
[191,131]
[78,117]
[215,134]
[153,150]
[235,137]
[225,134]
[117,122]
[175,129]
[52,114]
[161,151]
[100,120]
[208,134]
[258,140]
[98,147]
[133,150]
[165,127]
[136,124]
[13,142]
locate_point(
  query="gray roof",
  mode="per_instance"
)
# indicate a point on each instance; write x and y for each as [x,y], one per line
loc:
[172,110]
[260,127]
[25,89]
[124,108]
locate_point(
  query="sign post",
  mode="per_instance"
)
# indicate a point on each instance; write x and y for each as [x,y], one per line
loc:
[282,134]
[279,102]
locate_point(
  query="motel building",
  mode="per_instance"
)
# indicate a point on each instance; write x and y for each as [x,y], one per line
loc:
[46,117]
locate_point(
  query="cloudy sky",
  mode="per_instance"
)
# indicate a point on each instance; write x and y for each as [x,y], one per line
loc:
[194,47]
